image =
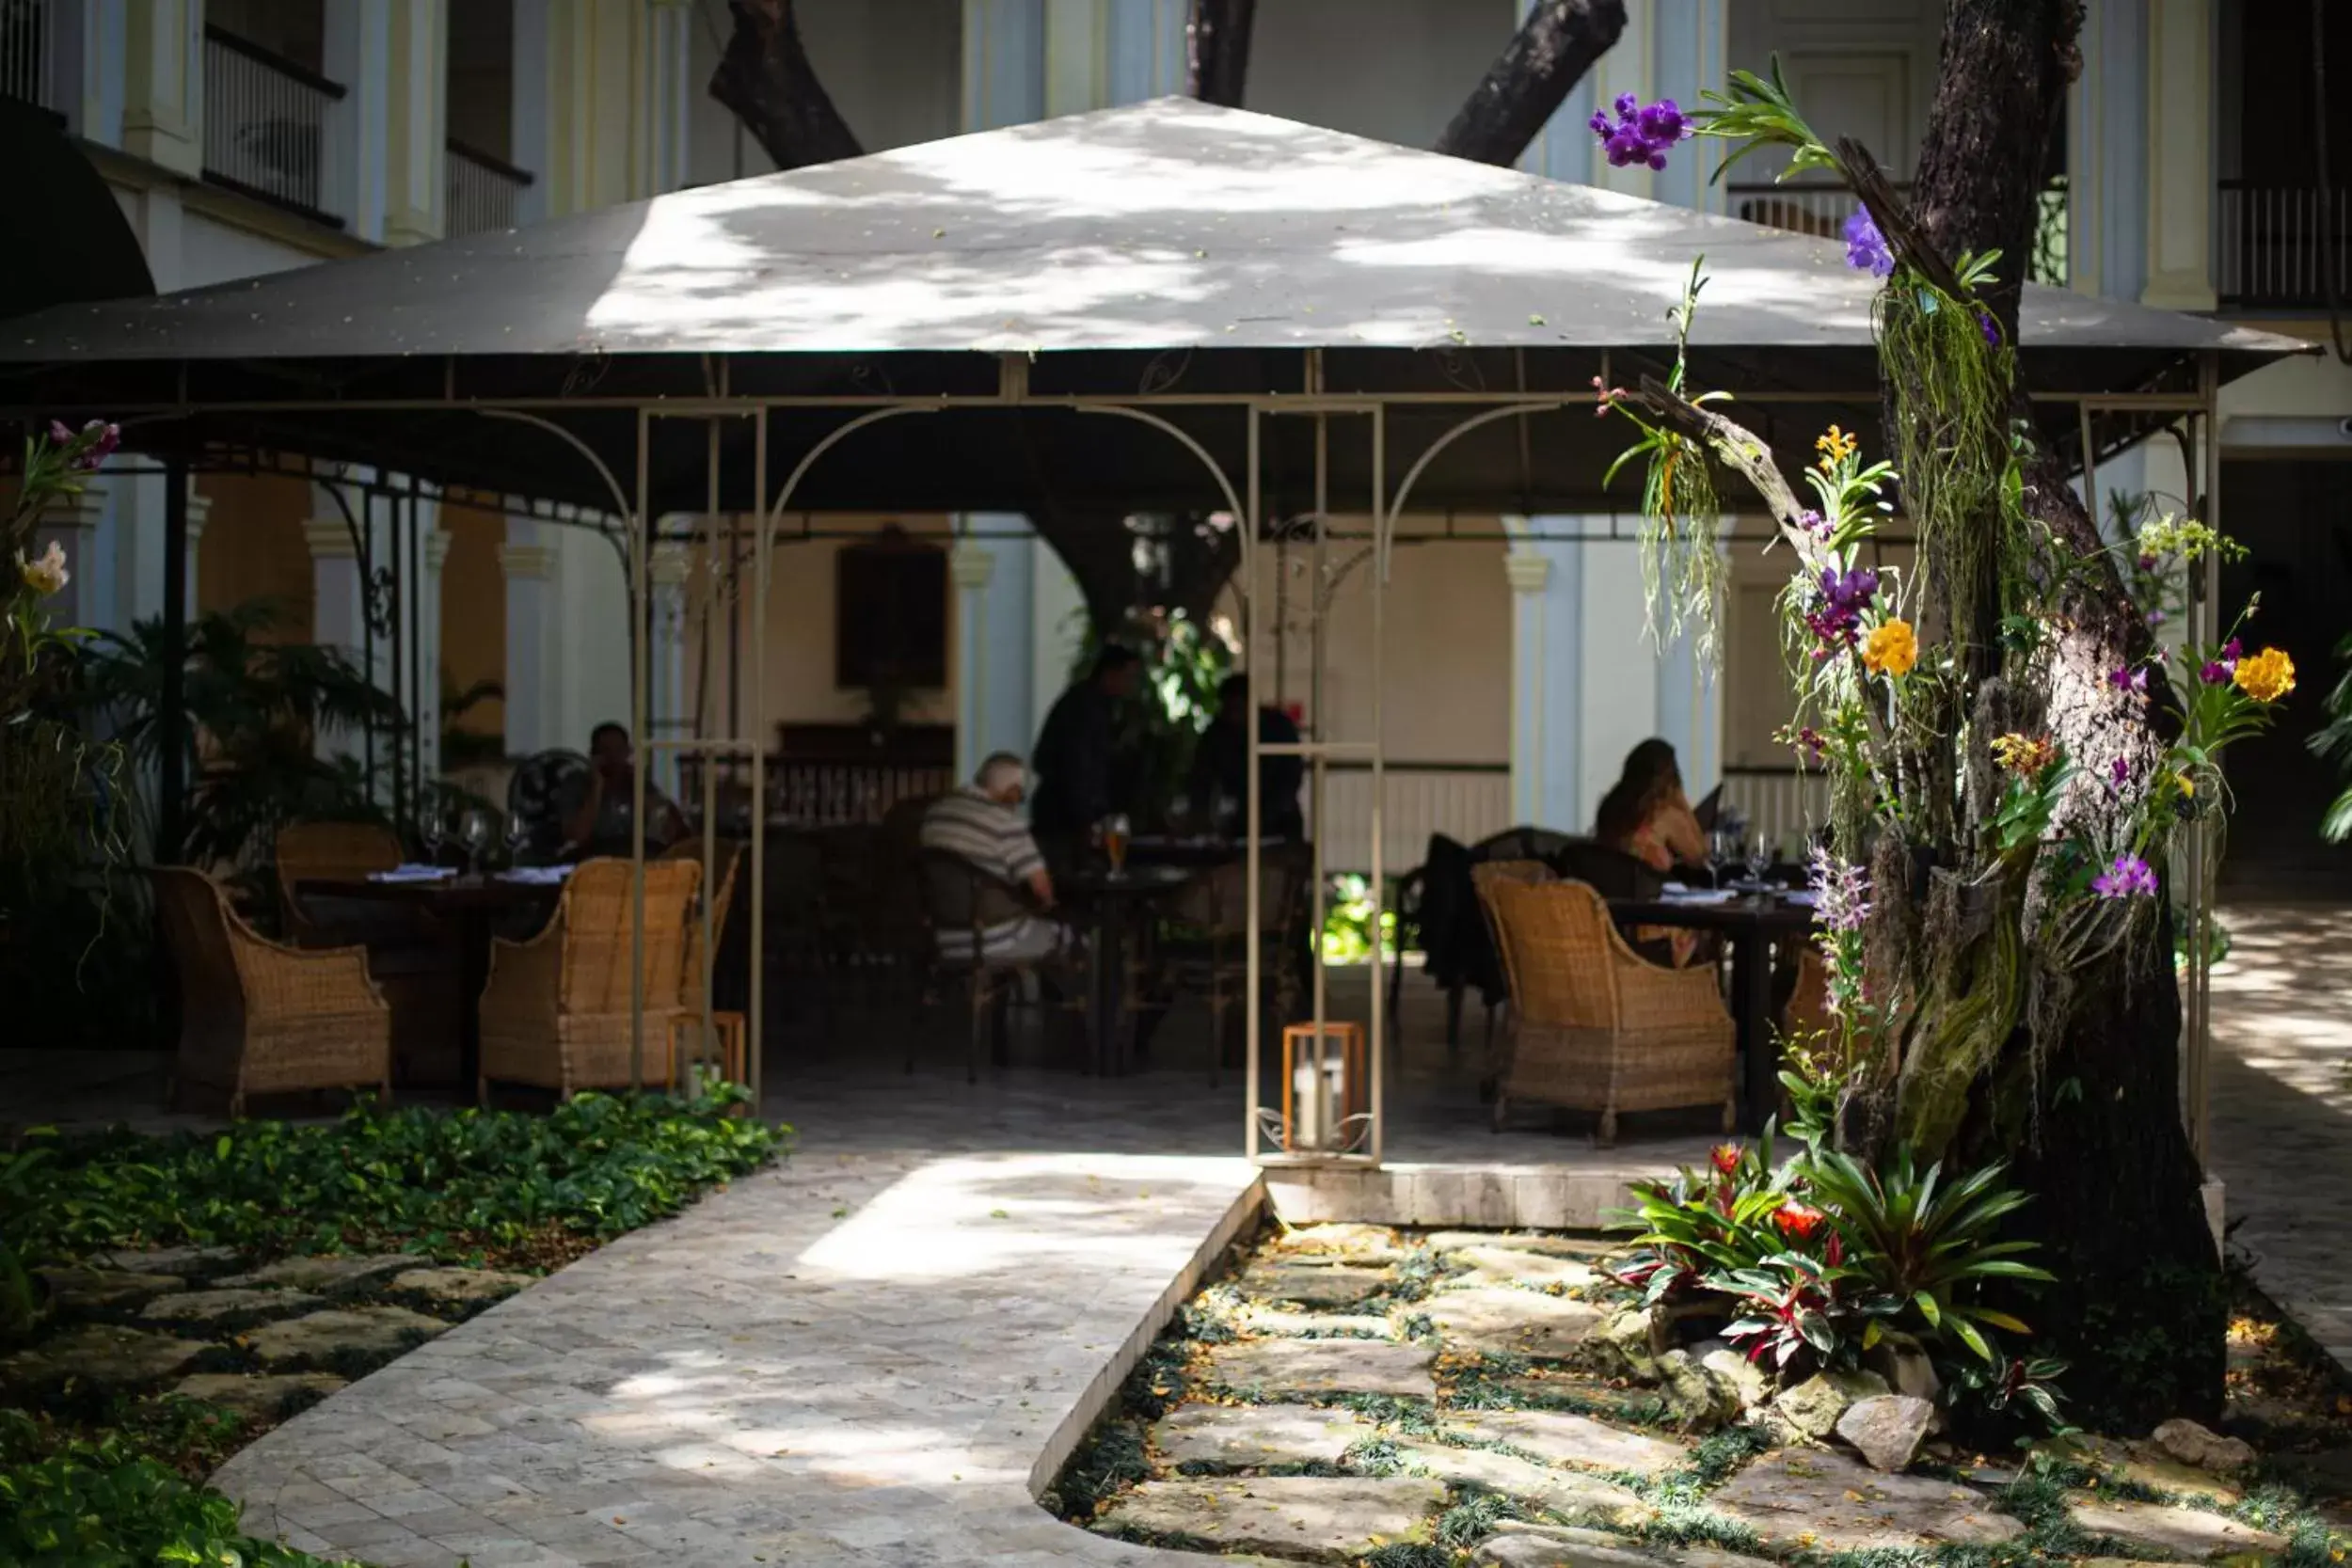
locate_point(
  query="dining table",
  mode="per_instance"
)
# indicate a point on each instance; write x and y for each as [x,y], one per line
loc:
[1113,900]
[469,903]
[1752,921]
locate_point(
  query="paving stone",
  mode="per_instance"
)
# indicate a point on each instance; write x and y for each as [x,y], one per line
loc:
[2161,1526]
[1563,1437]
[87,1290]
[1560,1491]
[1498,1321]
[1282,1324]
[1517,1543]
[1500,1265]
[462,1286]
[1258,1434]
[103,1354]
[1313,1284]
[258,1398]
[1318,1518]
[1323,1367]
[338,1332]
[1347,1241]
[185,1261]
[2150,1465]
[1818,1498]
[206,1308]
[1555,1244]
[331,1275]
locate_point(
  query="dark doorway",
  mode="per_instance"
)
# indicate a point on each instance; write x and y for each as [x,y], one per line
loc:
[2295,519]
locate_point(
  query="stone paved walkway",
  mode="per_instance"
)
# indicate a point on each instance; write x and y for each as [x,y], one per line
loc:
[2282,1106]
[849,1360]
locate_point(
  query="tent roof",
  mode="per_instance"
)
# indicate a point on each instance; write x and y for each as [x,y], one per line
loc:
[1170,245]
[1172,224]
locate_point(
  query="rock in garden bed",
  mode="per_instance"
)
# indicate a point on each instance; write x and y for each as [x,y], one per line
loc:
[219,1310]
[100,1355]
[1253,1436]
[259,1398]
[344,1337]
[1320,1519]
[327,1276]
[1292,1366]
[1813,1498]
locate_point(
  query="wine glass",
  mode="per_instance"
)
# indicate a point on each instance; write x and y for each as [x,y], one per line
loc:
[1759,859]
[433,831]
[518,838]
[473,831]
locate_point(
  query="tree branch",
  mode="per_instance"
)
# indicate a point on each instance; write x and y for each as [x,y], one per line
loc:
[767,82]
[1531,78]
[1217,50]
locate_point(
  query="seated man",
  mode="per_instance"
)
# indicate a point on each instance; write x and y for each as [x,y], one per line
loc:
[596,808]
[981,823]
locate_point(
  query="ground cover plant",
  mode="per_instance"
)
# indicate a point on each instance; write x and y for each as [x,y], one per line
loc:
[172,1297]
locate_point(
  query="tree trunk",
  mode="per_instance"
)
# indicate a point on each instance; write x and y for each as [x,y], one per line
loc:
[1531,78]
[2141,1315]
[1217,50]
[767,82]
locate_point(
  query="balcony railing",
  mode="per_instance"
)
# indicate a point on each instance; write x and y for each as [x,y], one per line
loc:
[28,51]
[485,193]
[1822,210]
[266,124]
[2277,247]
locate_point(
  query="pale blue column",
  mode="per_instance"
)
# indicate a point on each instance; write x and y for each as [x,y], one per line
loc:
[1004,63]
[1144,48]
[2107,155]
[991,568]
[1687,58]
[1546,578]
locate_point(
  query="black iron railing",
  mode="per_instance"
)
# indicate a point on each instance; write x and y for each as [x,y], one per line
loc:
[28,51]
[485,193]
[2277,243]
[266,124]
[1822,210]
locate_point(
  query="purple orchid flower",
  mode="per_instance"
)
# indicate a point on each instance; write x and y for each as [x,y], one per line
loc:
[1865,247]
[2129,878]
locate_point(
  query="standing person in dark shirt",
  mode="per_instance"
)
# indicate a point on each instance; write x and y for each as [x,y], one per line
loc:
[1220,765]
[1073,751]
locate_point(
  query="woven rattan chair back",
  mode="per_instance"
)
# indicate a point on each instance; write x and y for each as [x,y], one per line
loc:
[595,922]
[959,896]
[1560,946]
[1486,875]
[329,851]
[195,916]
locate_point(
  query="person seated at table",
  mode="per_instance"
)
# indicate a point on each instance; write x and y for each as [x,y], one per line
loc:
[981,823]
[1074,751]
[1647,816]
[595,807]
[1220,765]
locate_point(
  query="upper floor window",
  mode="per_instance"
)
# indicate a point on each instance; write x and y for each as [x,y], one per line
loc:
[2278,234]
[484,189]
[267,101]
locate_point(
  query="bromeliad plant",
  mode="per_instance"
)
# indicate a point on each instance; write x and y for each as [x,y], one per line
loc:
[1810,1263]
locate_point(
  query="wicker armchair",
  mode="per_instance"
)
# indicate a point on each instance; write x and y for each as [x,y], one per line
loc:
[698,1018]
[556,1011]
[1598,1027]
[329,852]
[1208,956]
[259,1017]
[1486,876]
[959,897]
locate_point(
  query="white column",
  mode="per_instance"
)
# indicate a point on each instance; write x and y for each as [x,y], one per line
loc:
[386,137]
[1619,668]
[666,717]
[200,513]
[72,523]
[532,676]
[2180,155]
[1529,574]
[972,566]
[163,99]
[428,633]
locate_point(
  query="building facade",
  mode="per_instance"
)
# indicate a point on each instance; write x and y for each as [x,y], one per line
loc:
[244,136]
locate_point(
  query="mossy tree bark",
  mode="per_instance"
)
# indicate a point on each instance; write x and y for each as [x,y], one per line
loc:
[2083,1097]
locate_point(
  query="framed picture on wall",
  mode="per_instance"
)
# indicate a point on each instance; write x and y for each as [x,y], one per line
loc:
[891,605]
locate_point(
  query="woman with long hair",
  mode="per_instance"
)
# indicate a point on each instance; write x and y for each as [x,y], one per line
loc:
[1647,816]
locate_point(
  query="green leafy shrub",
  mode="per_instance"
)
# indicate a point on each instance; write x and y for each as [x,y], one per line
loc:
[434,1181]
[1706,1222]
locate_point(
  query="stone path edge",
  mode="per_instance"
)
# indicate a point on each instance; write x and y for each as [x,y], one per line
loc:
[1064,1439]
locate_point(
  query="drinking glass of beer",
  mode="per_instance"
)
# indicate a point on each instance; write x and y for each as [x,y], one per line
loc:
[1114,844]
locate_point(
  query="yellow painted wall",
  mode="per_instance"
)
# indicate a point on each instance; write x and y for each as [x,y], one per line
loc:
[473,609]
[253,548]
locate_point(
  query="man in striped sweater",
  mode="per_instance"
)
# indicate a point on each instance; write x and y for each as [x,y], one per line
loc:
[981,823]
